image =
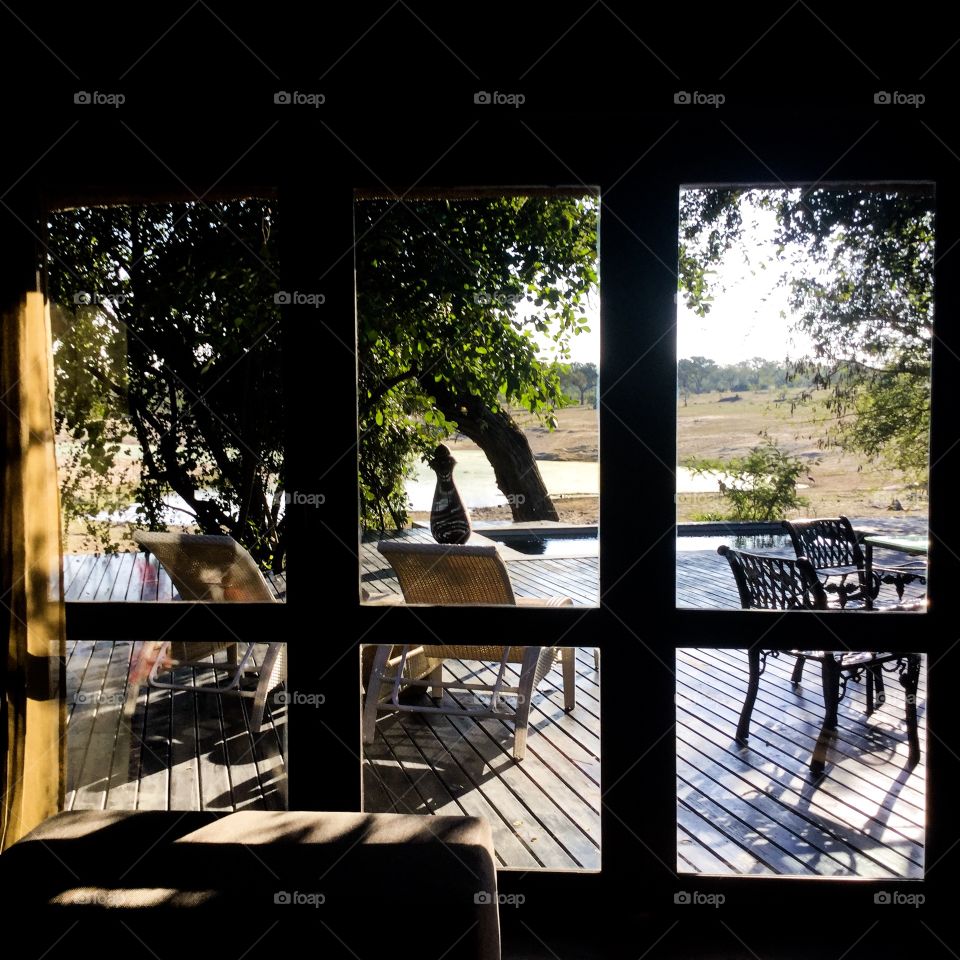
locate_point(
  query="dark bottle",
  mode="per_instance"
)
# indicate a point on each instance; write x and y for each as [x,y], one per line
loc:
[449,520]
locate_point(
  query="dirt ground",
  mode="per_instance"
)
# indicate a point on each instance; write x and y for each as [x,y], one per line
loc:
[836,482]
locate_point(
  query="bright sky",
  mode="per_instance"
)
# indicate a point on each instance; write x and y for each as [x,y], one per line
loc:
[745,316]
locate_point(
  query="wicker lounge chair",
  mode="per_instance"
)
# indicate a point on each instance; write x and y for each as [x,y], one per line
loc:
[213,569]
[448,575]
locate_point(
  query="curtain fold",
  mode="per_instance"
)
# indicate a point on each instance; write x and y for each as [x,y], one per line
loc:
[32,634]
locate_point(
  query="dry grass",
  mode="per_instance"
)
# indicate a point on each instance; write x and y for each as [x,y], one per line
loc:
[838,482]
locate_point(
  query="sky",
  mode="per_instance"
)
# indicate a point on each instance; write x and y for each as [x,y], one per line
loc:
[745,317]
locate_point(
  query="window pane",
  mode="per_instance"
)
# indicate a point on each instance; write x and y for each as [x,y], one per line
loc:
[424,758]
[134,743]
[805,325]
[169,405]
[478,386]
[759,809]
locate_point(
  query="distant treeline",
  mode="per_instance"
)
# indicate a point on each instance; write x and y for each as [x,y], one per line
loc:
[702,375]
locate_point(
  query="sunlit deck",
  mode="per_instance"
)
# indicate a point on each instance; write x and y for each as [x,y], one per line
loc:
[758,810]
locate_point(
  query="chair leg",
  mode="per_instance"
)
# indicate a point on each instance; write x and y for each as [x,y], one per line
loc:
[911,680]
[753,685]
[372,698]
[263,687]
[876,696]
[797,674]
[436,679]
[568,657]
[596,659]
[521,721]
[830,680]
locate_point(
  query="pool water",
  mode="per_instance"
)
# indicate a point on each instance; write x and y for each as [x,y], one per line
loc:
[536,546]
[776,541]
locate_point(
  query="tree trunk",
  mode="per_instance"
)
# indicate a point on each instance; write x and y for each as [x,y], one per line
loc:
[509,453]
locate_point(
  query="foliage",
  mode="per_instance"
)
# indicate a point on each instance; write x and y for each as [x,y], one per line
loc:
[454,301]
[759,486]
[858,267]
[167,348]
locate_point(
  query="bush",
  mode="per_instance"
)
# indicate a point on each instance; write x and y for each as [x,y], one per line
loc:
[760,486]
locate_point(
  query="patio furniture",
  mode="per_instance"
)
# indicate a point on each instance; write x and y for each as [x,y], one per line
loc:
[834,549]
[462,574]
[779,583]
[213,569]
[166,879]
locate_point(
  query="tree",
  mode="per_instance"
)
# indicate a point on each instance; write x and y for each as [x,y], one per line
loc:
[858,265]
[694,372]
[455,299]
[580,378]
[167,348]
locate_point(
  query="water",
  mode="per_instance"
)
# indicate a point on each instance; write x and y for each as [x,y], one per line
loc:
[536,546]
[751,544]
[478,486]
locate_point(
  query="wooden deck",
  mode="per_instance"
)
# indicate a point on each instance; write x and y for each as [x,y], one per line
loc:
[545,811]
[127,576]
[162,750]
[758,811]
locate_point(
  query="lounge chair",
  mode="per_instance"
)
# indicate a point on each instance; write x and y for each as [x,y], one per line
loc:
[213,569]
[472,575]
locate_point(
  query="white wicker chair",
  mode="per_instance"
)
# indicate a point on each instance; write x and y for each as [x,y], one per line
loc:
[441,574]
[214,569]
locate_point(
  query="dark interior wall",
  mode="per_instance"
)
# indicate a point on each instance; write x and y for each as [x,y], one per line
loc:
[199,121]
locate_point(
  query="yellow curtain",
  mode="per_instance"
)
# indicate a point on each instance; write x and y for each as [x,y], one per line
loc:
[31,577]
